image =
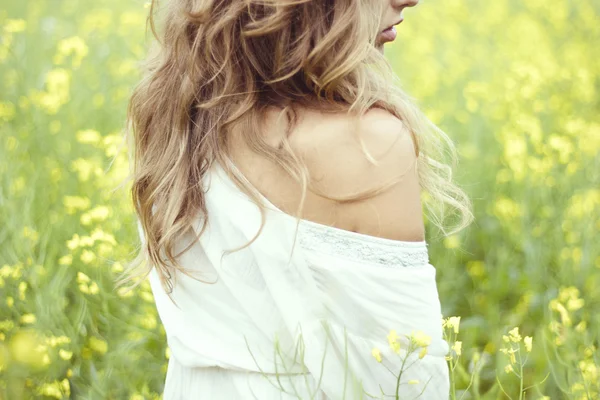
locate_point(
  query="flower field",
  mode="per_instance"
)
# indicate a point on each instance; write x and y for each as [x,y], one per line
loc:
[516,84]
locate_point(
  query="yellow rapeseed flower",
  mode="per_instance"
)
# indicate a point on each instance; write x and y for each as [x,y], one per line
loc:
[457,347]
[413,382]
[528,341]
[511,354]
[66,386]
[66,260]
[99,213]
[82,278]
[423,352]
[64,354]
[508,369]
[452,242]
[117,267]
[575,304]
[54,341]
[454,322]
[87,256]
[22,290]
[514,335]
[98,345]
[30,233]
[376,353]
[73,243]
[93,288]
[420,339]
[73,46]
[51,390]
[506,209]
[75,203]
[393,341]
[88,136]
[15,25]
[7,113]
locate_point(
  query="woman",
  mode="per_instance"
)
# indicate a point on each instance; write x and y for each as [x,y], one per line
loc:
[278,170]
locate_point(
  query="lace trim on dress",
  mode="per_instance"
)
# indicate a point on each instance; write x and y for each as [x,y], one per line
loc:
[357,246]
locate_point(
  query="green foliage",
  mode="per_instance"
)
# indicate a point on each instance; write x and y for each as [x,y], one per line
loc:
[514,83]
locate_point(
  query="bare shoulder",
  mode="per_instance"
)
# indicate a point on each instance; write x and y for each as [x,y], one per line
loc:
[332,152]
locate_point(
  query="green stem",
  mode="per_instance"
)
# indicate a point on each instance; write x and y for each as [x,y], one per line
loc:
[400,375]
[521,374]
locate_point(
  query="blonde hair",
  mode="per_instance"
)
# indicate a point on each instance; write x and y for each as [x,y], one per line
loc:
[223,62]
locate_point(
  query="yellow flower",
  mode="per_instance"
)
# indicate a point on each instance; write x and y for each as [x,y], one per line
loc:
[514,335]
[75,203]
[508,369]
[423,352]
[453,322]
[87,256]
[28,318]
[30,233]
[575,304]
[73,46]
[393,341]
[7,113]
[82,278]
[66,260]
[66,386]
[99,213]
[528,343]
[420,338]
[581,327]
[457,347]
[22,290]
[51,390]
[98,345]
[413,382]
[452,242]
[376,353]
[54,341]
[15,25]
[73,243]
[511,353]
[65,355]
[93,288]
[88,136]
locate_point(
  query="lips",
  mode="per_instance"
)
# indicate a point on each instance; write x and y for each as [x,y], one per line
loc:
[389,35]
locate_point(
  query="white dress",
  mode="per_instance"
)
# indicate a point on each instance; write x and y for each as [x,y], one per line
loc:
[279,324]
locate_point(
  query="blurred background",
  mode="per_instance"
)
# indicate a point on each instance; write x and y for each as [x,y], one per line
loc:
[514,83]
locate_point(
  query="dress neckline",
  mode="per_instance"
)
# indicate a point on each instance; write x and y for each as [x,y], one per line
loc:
[316,226]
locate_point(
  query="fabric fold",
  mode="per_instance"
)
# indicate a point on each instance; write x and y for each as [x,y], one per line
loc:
[324,313]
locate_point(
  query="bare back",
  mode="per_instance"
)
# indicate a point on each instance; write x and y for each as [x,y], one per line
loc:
[339,168]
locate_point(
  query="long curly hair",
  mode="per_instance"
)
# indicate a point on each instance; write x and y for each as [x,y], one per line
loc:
[217,63]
